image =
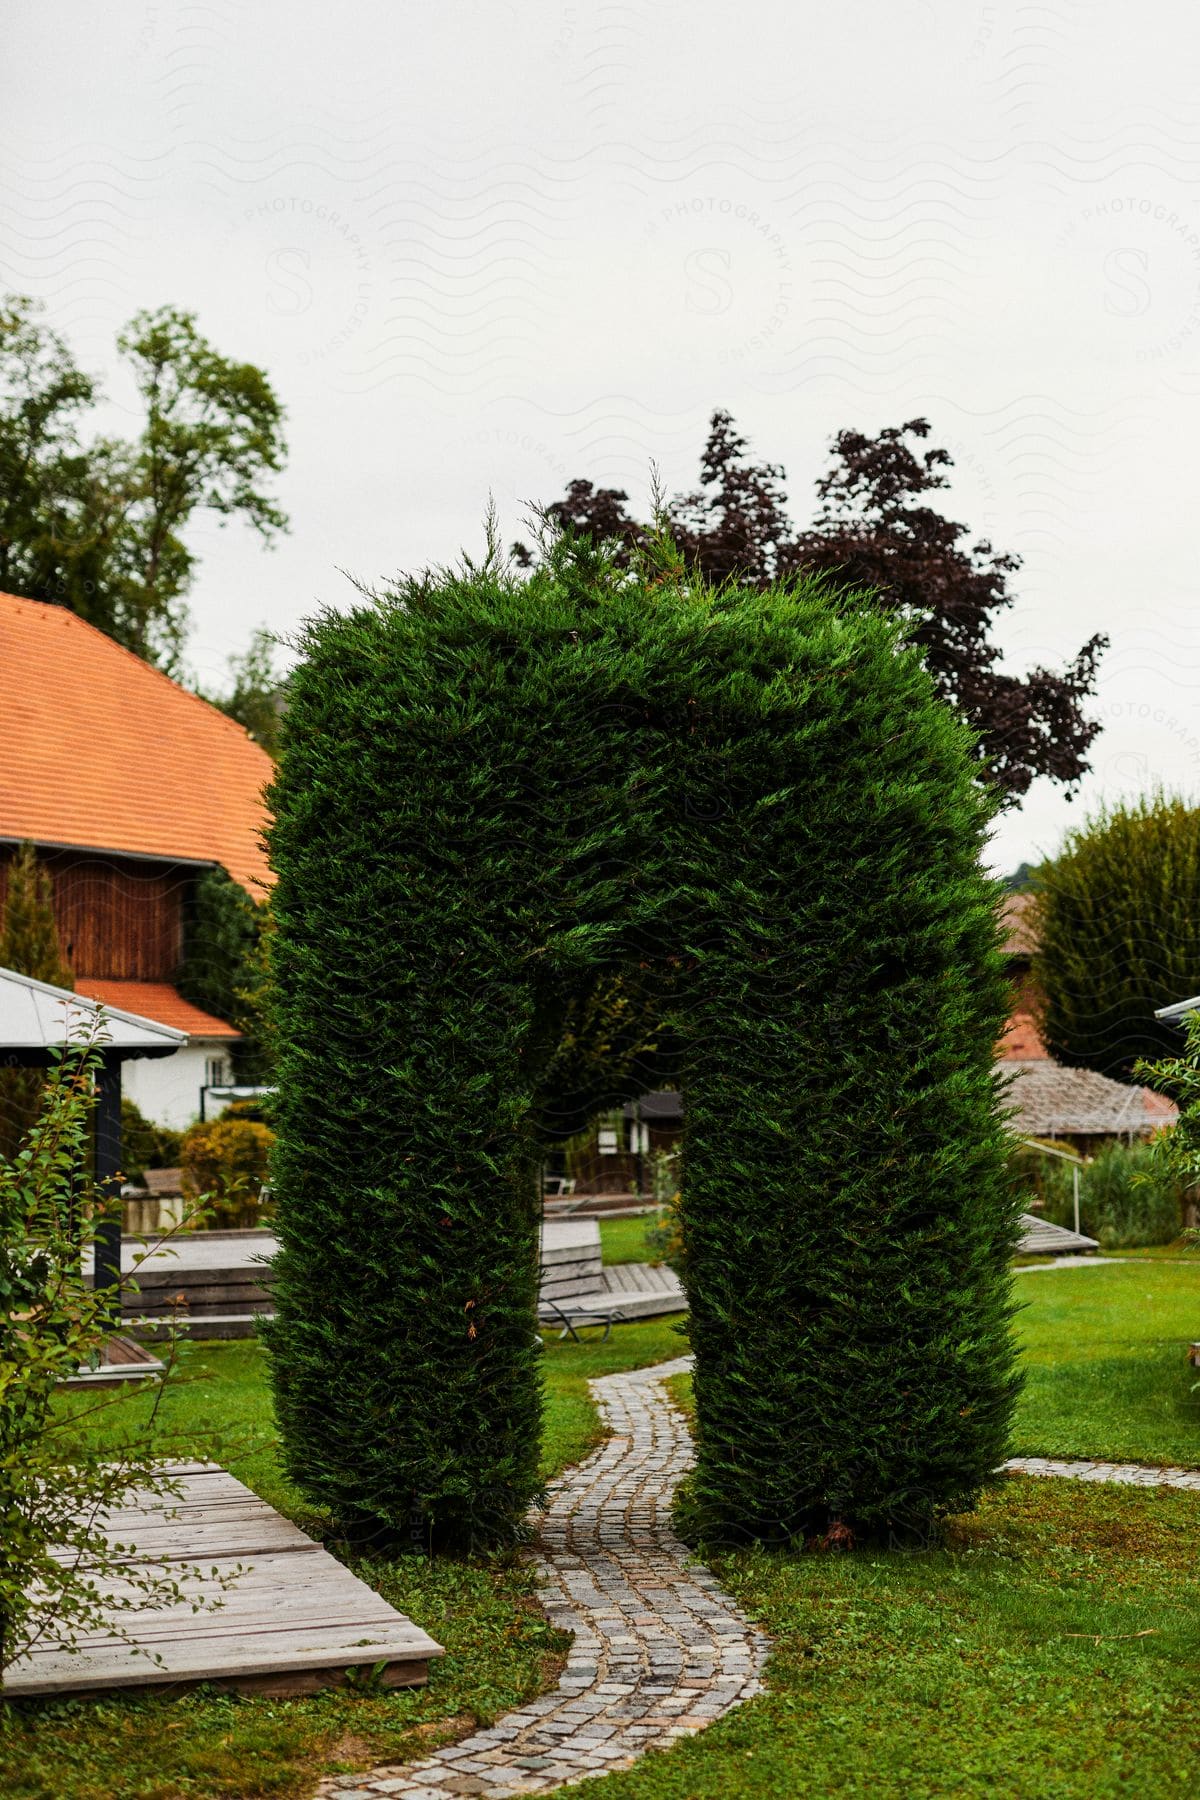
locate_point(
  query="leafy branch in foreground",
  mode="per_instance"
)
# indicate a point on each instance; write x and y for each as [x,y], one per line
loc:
[61,1576]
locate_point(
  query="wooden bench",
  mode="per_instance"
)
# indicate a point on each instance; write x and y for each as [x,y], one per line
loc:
[1040,1238]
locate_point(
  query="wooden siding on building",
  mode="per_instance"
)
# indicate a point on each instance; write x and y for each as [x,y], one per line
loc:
[120,918]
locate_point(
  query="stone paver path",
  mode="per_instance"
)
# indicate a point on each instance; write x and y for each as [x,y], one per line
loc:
[1129,1474]
[659,1650]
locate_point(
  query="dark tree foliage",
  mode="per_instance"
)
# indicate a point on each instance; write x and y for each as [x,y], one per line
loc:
[598,514]
[495,798]
[221,968]
[30,944]
[1117,920]
[876,533]
[734,526]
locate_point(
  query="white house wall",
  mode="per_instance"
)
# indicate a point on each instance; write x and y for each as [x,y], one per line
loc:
[166,1090]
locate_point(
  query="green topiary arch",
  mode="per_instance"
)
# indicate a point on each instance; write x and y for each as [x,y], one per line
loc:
[496,793]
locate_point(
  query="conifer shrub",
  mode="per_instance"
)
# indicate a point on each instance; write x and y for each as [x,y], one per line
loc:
[1117,920]
[496,793]
[29,943]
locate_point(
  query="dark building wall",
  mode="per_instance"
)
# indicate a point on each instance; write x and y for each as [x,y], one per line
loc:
[618,1172]
[117,917]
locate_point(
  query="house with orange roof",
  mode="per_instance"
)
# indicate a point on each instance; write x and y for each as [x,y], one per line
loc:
[131,788]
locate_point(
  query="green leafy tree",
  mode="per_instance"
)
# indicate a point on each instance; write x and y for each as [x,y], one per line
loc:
[101,526]
[258,696]
[29,943]
[1117,920]
[213,436]
[43,399]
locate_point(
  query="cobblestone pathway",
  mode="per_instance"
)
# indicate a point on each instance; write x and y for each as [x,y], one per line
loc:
[659,1649]
[1130,1474]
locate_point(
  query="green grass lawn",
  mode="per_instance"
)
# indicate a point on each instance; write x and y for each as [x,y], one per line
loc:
[1049,1648]
[1106,1369]
[624,1240]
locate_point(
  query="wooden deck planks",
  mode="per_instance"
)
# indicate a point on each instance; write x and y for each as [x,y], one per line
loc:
[293,1618]
[641,1278]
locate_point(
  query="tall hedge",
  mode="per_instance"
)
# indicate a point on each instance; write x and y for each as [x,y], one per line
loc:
[491,790]
[1118,927]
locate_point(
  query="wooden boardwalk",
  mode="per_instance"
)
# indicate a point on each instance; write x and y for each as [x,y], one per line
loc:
[293,1621]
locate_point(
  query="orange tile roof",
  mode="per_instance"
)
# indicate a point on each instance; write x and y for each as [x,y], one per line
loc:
[156,1000]
[100,750]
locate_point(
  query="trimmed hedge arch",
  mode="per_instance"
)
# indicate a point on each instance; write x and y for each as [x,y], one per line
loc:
[492,792]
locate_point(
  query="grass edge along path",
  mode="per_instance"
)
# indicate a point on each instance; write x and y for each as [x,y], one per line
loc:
[658,1651]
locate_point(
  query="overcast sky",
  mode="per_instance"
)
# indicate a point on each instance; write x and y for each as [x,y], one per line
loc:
[490,246]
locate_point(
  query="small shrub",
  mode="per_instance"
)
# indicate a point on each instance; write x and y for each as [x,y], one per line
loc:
[258,1110]
[664,1236]
[227,1160]
[664,1231]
